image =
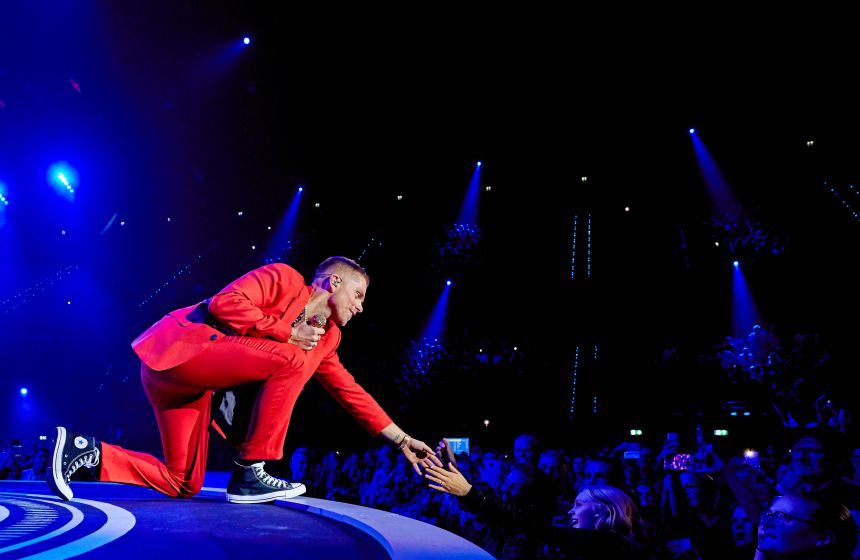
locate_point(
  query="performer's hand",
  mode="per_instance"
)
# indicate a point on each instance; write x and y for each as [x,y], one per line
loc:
[420,455]
[448,481]
[306,336]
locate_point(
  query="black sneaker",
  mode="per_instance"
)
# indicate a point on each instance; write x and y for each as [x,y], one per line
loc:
[253,485]
[71,452]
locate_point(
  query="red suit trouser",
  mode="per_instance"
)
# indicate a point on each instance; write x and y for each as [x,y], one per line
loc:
[181,398]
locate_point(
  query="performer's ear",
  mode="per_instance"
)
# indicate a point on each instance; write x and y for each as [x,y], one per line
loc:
[335,281]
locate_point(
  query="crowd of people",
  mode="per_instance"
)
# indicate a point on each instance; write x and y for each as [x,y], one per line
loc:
[17,464]
[687,497]
[794,380]
[798,498]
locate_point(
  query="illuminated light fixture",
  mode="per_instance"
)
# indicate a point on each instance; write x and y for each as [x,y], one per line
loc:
[63,178]
[65,182]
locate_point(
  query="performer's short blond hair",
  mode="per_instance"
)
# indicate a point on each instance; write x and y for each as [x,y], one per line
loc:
[342,266]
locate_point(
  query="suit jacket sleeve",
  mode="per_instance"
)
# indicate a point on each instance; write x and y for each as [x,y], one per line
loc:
[342,386]
[252,304]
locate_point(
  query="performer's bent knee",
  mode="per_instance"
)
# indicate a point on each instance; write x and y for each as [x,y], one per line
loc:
[189,489]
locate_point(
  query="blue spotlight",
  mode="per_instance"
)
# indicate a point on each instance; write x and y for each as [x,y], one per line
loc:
[744,313]
[63,178]
[246,40]
[65,181]
[434,328]
[469,207]
[736,264]
[24,391]
[280,245]
[4,202]
[692,131]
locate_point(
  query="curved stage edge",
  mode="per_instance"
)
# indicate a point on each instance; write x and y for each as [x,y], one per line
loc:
[116,521]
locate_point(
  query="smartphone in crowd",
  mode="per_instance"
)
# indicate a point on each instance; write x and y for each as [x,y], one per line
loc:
[458,445]
[680,462]
[751,459]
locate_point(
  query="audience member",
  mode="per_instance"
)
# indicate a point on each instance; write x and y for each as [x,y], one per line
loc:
[812,526]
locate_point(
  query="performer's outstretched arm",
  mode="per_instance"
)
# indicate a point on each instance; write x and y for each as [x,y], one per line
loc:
[416,452]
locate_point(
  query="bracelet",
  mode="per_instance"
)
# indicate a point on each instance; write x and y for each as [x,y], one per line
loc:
[403,442]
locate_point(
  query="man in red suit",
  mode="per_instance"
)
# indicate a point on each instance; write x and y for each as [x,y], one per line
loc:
[266,327]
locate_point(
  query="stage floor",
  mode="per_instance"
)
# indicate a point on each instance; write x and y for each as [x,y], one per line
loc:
[125,522]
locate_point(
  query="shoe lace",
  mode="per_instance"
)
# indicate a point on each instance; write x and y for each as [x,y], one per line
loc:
[88,460]
[269,479]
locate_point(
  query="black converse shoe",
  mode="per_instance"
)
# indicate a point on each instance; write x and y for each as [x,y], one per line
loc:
[253,485]
[71,452]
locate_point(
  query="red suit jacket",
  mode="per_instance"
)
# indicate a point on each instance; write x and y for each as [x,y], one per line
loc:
[262,303]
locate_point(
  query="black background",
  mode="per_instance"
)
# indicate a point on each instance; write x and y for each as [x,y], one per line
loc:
[175,121]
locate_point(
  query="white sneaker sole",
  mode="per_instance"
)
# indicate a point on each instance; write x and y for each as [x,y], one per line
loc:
[268,497]
[54,476]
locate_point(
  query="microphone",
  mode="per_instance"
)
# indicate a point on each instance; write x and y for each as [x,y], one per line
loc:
[317,321]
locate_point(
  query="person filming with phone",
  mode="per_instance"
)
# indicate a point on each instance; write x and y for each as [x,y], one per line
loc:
[694,520]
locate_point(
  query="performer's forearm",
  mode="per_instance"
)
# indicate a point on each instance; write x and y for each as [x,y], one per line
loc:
[416,451]
[393,433]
